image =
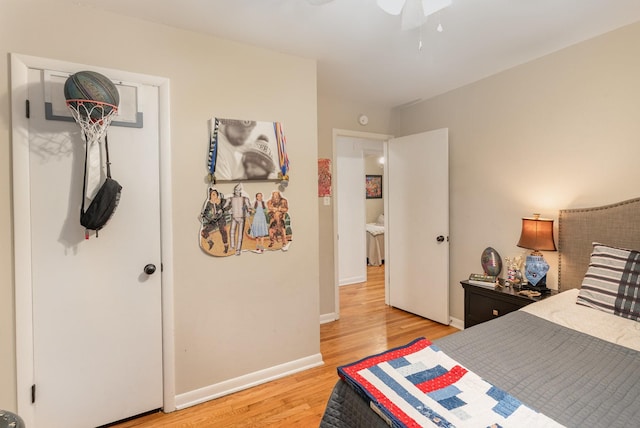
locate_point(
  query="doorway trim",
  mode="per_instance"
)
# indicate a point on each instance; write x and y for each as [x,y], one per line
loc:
[20,64]
[337,133]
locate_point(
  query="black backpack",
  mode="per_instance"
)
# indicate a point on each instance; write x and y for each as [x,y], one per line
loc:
[104,203]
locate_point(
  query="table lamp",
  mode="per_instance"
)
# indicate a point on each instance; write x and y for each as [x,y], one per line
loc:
[537,235]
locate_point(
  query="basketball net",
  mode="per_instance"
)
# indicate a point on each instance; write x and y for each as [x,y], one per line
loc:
[94,117]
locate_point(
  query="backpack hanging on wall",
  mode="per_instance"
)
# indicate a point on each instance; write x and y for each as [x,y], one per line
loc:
[104,202]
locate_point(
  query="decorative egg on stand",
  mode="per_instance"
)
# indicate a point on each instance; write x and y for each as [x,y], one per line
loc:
[491,262]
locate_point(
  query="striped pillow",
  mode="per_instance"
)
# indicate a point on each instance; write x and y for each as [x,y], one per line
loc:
[612,281]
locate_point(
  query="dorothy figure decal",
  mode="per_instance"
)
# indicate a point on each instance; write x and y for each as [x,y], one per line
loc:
[259,227]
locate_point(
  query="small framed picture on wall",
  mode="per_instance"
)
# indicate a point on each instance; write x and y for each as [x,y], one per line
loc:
[373,186]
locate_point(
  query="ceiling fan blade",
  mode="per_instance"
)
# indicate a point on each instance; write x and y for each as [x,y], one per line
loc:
[413,15]
[415,12]
[392,7]
[432,6]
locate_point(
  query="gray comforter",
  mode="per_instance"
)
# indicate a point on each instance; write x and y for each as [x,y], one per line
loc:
[575,379]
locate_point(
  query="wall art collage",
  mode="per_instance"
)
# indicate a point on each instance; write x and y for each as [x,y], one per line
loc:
[236,222]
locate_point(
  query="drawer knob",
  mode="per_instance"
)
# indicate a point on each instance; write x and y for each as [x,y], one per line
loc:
[495,312]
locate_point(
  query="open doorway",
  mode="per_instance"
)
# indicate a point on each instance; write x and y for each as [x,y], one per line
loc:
[374,161]
[417,228]
[351,152]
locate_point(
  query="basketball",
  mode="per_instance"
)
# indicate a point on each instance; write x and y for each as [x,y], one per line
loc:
[92,86]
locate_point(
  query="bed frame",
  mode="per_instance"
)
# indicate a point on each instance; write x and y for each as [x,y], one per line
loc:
[504,355]
[617,225]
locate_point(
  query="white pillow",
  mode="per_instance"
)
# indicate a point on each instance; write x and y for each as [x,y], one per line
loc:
[380,220]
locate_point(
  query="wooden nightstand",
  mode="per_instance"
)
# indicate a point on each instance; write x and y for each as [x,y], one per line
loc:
[483,304]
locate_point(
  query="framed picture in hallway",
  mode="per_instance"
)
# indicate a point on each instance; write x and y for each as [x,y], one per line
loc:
[373,186]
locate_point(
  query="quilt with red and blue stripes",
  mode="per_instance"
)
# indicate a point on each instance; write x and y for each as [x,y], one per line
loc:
[418,385]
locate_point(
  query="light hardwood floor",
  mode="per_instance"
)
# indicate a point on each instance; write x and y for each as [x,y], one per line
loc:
[366,326]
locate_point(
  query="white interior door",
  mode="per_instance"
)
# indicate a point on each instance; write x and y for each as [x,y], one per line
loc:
[97,317]
[350,189]
[417,215]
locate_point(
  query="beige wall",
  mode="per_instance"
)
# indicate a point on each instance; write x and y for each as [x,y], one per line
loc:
[225,313]
[559,132]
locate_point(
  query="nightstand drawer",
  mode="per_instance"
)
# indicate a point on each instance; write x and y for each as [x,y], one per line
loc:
[484,308]
[486,303]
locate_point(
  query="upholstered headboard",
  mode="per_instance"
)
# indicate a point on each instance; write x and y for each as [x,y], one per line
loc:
[617,225]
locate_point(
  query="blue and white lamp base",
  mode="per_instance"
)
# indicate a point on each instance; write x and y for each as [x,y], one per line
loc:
[535,271]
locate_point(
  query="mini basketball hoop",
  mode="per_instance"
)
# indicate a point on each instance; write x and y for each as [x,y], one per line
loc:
[94,117]
[93,100]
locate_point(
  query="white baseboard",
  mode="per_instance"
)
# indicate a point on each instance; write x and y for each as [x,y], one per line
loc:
[455,322]
[230,386]
[352,280]
[325,318]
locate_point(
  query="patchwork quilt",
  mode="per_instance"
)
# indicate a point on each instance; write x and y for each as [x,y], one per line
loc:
[418,385]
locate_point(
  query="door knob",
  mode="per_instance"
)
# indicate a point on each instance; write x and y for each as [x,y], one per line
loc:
[150,269]
[440,238]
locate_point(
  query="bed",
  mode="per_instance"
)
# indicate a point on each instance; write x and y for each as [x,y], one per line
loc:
[375,244]
[573,365]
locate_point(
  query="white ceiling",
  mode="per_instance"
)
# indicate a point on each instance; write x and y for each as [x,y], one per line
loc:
[364,55]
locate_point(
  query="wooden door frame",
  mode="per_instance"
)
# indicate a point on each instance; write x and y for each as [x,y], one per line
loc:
[337,133]
[20,64]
